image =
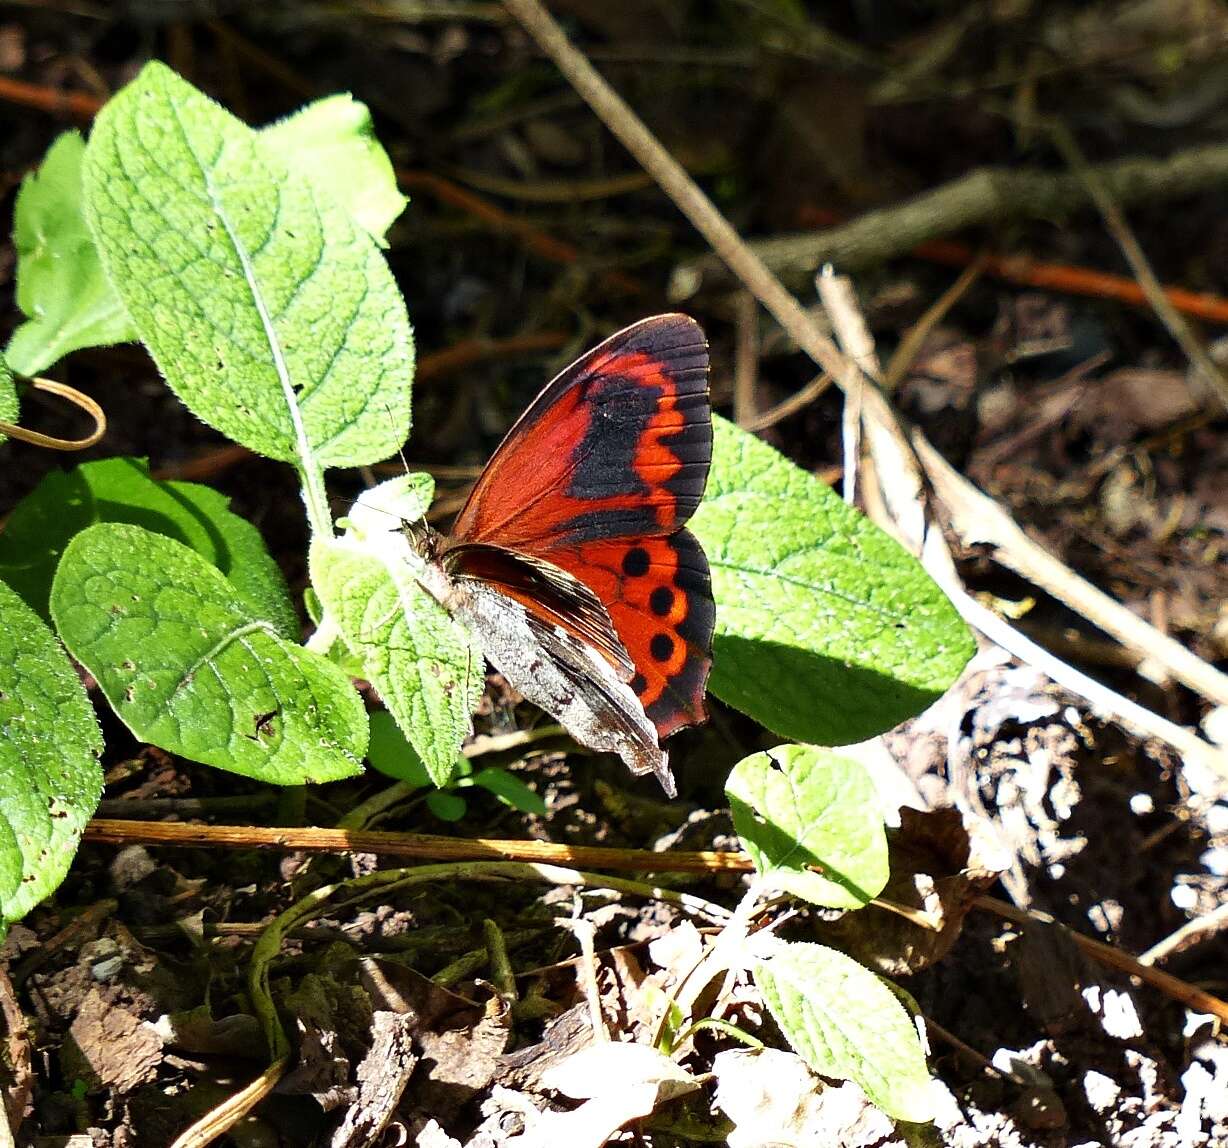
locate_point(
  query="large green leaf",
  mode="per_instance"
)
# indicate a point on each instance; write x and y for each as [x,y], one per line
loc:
[332,143]
[827,630]
[812,823]
[845,1022]
[270,311]
[61,287]
[187,665]
[427,668]
[122,490]
[50,779]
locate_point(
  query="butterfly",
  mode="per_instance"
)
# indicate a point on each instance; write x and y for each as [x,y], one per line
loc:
[570,561]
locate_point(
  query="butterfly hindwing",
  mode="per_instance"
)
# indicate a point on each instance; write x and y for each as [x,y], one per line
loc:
[659,596]
[564,675]
[617,445]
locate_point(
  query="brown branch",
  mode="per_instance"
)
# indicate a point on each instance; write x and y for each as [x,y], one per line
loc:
[104,831]
[77,105]
[1102,196]
[986,195]
[1189,995]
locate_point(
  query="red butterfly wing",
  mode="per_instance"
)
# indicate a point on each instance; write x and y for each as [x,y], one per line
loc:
[659,596]
[598,477]
[617,445]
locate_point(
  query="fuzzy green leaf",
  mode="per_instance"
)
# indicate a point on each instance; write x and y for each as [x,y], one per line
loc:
[827,630]
[50,779]
[332,143]
[270,311]
[240,554]
[427,669]
[188,667]
[122,490]
[845,1022]
[10,408]
[798,806]
[62,289]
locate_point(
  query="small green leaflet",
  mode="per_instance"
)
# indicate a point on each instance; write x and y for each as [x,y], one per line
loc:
[10,408]
[845,1022]
[61,287]
[332,143]
[50,779]
[122,490]
[393,756]
[271,313]
[187,665]
[426,667]
[827,630]
[798,806]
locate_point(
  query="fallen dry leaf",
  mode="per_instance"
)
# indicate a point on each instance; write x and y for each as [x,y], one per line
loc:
[936,872]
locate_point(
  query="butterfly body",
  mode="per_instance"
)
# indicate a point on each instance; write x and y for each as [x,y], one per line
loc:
[570,562]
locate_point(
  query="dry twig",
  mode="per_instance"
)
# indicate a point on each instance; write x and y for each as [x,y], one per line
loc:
[987,195]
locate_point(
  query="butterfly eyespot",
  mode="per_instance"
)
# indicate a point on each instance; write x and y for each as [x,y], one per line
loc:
[639,684]
[636,562]
[661,647]
[661,601]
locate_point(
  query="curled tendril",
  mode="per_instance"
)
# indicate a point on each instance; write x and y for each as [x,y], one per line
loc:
[79,400]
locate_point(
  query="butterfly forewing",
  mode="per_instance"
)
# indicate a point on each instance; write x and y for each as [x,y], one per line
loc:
[617,445]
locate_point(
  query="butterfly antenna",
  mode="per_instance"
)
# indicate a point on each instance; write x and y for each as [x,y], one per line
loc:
[400,450]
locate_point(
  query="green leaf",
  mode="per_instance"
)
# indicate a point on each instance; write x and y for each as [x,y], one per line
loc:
[62,289]
[509,789]
[446,806]
[797,806]
[50,779]
[188,667]
[270,311]
[121,490]
[240,554]
[827,630]
[10,408]
[845,1022]
[332,143]
[428,670]
[392,755]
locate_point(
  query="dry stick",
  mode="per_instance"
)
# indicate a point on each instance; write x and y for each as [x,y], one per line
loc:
[1209,923]
[1188,994]
[1115,221]
[789,406]
[849,325]
[745,358]
[977,518]
[898,481]
[78,399]
[992,524]
[104,831]
[987,195]
[226,1115]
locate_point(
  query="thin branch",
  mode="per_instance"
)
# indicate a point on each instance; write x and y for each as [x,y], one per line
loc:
[1121,231]
[424,845]
[78,399]
[1188,994]
[986,195]
[745,358]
